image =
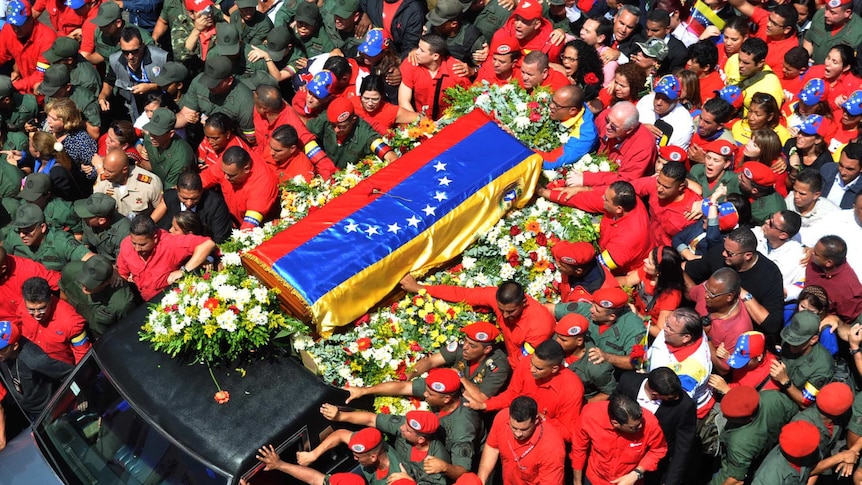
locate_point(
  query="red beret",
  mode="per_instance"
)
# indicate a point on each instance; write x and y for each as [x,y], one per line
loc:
[482,332]
[835,399]
[798,439]
[610,297]
[572,324]
[365,440]
[346,479]
[443,380]
[576,253]
[740,402]
[505,44]
[468,479]
[673,153]
[424,422]
[759,173]
[339,110]
[721,146]
[403,481]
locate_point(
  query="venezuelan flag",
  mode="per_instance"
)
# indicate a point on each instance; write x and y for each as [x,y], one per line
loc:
[702,17]
[417,213]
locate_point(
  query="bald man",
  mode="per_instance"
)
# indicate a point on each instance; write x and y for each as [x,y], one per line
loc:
[567,107]
[137,191]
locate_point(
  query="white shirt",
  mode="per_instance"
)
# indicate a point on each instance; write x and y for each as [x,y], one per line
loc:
[821,209]
[842,223]
[678,117]
[644,400]
[787,257]
[838,189]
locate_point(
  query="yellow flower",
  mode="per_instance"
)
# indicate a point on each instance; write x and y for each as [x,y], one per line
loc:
[210,330]
[429,308]
[441,339]
[422,313]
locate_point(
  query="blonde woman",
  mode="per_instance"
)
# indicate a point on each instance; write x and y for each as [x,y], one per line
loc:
[64,121]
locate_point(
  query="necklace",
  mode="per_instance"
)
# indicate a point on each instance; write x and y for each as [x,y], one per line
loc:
[722,317]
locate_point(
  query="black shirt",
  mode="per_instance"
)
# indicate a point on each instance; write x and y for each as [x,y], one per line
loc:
[39,377]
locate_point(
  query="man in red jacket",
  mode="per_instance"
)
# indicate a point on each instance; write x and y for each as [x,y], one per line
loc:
[14,271]
[22,41]
[533,31]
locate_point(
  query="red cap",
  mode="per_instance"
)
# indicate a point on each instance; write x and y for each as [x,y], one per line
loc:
[835,399]
[197,5]
[572,324]
[721,146]
[759,173]
[798,439]
[740,402]
[468,479]
[574,253]
[346,479]
[505,44]
[673,153]
[443,380]
[365,440]
[424,422]
[483,332]
[339,110]
[610,297]
[529,9]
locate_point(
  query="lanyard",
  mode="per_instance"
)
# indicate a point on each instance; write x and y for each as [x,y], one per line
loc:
[143,79]
[519,458]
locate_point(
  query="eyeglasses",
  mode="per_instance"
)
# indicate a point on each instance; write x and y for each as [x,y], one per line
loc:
[774,24]
[569,59]
[731,253]
[28,230]
[555,106]
[132,52]
[712,295]
[771,223]
[37,311]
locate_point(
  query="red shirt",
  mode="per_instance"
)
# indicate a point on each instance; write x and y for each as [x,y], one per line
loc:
[254,201]
[298,164]
[667,218]
[554,81]
[27,55]
[777,49]
[723,330]
[19,270]
[710,83]
[486,73]
[843,86]
[635,156]
[419,79]
[791,87]
[63,337]
[382,119]
[64,19]
[151,274]
[539,41]
[263,129]
[625,241]
[560,397]
[534,327]
[613,454]
[539,460]
[760,17]
[213,174]
[842,285]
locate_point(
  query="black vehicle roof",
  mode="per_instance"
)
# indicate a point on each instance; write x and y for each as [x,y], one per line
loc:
[274,399]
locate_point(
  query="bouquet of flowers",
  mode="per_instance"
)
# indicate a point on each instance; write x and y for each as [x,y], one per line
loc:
[593,162]
[217,317]
[527,116]
[407,137]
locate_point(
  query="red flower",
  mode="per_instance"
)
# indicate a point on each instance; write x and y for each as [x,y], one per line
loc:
[535,116]
[541,239]
[514,260]
[514,231]
[533,105]
[364,343]
[429,318]
[206,275]
[534,256]
[167,309]
[222,397]
[450,312]
[363,319]
[234,309]
[394,307]
[415,347]
[174,307]
[416,403]
[211,303]
[385,410]
[591,78]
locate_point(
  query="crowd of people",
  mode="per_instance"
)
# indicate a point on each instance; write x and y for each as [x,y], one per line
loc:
[136,135]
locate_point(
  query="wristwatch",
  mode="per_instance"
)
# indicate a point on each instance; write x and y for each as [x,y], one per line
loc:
[785,385]
[747,297]
[639,473]
[854,352]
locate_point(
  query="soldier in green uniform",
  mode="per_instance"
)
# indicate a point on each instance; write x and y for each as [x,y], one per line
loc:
[110,23]
[253,26]
[12,143]
[614,329]
[217,91]
[598,378]
[16,109]
[82,74]
[104,227]
[58,212]
[805,366]
[339,22]
[753,424]
[488,16]
[829,416]
[792,460]
[464,39]
[168,155]
[230,45]
[57,84]
[187,27]
[555,11]
[28,236]
[311,36]
[758,185]
[87,286]
[347,138]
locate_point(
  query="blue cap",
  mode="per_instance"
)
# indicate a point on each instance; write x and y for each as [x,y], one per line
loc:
[17,12]
[732,94]
[321,84]
[669,86]
[853,105]
[749,344]
[374,43]
[75,4]
[9,334]
[816,125]
[813,92]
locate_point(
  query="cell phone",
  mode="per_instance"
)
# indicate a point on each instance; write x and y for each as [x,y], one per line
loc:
[34,122]
[208,10]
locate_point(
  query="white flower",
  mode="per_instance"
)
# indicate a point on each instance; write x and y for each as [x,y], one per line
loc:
[260,294]
[171,298]
[353,347]
[344,372]
[506,88]
[257,316]
[227,321]
[604,166]
[593,168]
[521,107]
[394,363]
[564,138]
[507,272]
[204,315]
[521,122]
[231,259]
[302,342]
[242,297]
[219,280]
[468,262]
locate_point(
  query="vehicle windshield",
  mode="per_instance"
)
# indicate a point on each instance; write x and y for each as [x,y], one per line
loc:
[94,436]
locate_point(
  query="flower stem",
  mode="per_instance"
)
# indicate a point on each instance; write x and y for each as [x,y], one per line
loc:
[213,377]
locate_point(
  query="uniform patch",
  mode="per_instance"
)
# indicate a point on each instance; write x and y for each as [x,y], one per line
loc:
[144,178]
[438,386]
[482,336]
[358,448]
[343,117]
[574,330]
[414,424]
[452,346]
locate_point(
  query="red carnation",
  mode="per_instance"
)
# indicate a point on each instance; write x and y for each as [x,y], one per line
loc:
[534,256]
[429,318]
[591,78]
[541,239]
[535,116]
[364,343]
[514,231]
[514,260]
[533,105]
[385,410]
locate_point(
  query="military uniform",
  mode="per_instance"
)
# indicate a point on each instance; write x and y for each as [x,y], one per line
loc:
[237,104]
[597,378]
[776,470]
[390,424]
[11,176]
[25,108]
[490,18]
[252,74]
[358,145]
[255,31]
[490,376]
[85,77]
[812,369]
[855,424]
[167,164]
[370,473]
[346,41]
[317,44]
[828,436]
[182,23]
[468,40]
[762,208]
[619,339]
[58,248]
[742,445]
[60,214]
[142,192]
[102,309]
[107,242]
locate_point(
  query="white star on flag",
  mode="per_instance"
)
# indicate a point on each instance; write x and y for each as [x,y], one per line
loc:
[441,196]
[372,230]
[440,166]
[428,210]
[352,227]
[413,221]
[394,228]
[445,181]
